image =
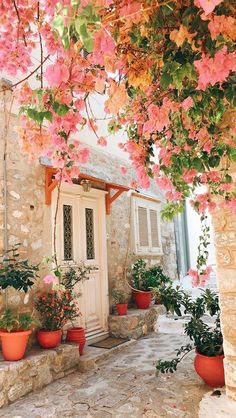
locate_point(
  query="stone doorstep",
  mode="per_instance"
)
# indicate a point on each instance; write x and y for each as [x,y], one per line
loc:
[136,324]
[93,355]
[41,367]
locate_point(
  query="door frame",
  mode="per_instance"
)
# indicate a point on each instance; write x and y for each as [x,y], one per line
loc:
[99,196]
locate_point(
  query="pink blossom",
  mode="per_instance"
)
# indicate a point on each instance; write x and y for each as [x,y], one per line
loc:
[123,170]
[164,183]
[225,187]
[102,141]
[56,74]
[49,278]
[207,5]
[187,103]
[189,175]
[208,146]
[195,277]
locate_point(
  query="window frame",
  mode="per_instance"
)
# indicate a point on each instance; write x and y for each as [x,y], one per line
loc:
[149,204]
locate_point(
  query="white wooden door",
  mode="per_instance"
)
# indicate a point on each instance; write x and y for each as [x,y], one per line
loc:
[81,236]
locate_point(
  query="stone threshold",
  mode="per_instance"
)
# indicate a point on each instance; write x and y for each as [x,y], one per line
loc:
[41,367]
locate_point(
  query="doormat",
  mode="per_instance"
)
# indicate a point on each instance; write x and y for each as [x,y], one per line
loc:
[109,342]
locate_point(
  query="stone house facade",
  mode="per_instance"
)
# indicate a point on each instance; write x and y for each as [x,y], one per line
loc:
[85,231]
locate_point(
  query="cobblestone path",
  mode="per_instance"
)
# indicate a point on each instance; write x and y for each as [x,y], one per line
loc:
[124,385]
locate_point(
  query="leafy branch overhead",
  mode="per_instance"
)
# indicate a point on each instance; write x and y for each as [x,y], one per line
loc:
[167,73]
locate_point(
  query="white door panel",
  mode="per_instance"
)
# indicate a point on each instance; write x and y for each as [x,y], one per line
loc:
[81,236]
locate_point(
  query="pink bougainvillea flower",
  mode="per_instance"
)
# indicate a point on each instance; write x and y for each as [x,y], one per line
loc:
[123,170]
[164,183]
[207,5]
[187,103]
[102,141]
[49,278]
[56,74]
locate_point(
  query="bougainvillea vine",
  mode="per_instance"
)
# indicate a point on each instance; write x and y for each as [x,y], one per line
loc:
[167,71]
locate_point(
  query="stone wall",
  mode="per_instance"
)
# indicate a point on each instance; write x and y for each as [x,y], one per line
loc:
[29,219]
[39,369]
[224,222]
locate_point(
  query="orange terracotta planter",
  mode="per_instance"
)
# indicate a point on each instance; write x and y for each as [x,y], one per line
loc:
[14,344]
[77,335]
[122,308]
[142,299]
[49,339]
[210,369]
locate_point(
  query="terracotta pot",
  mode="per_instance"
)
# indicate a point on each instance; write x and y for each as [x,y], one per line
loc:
[142,299]
[77,335]
[49,339]
[122,308]
[210,369]
[14,344]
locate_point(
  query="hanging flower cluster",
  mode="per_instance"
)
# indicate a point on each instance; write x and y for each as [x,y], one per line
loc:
[167,70]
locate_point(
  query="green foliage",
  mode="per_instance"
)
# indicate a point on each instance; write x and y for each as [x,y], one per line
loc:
[118,296]
[15,272]
[206,339]
[145,279]
[11,323]
[75,274]
[56,308]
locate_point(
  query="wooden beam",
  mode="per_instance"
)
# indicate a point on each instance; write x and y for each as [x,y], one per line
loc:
[51,183]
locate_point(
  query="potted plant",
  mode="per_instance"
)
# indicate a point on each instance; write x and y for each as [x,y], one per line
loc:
[69,278]
[15,272]
[120,301]
[56,308]
[15,328]
[206,339]
[144,280]
[14,332]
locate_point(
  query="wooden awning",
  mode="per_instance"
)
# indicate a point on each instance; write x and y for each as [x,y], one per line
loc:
[113,190]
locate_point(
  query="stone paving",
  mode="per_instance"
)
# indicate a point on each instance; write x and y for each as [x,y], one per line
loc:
[124,385]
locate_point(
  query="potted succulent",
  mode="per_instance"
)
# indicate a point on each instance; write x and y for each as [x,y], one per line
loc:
[206,339]
[56,308]
[144,280]
[14,332]
[120,301]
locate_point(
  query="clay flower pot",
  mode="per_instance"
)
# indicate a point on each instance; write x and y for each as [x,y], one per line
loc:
[142,299]
[14,344]
[122,308]
[49,339]
[77,335]
[210,369]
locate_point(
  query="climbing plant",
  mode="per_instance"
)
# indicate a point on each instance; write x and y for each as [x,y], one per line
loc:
[167,73]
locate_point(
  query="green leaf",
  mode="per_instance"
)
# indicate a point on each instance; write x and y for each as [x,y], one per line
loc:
[166,80]
[58,24]
[60,108]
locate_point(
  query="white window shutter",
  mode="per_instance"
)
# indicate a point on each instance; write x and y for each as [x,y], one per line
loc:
[143,226]
[155,243]
[147,233]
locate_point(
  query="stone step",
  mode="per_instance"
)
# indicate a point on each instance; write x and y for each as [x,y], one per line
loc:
[93,355]
[136,324]
[39,368]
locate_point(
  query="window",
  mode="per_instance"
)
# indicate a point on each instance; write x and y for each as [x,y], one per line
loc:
[146,226]
[89,234]
[67,232]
